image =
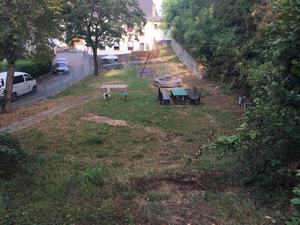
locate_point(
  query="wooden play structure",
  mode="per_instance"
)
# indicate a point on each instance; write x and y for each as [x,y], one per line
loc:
[148,68]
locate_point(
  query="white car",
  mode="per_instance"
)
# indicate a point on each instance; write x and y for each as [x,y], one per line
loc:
[61,65]
[23,83]
[61,60]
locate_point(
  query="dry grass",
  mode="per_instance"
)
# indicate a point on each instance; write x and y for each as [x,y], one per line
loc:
[127,162]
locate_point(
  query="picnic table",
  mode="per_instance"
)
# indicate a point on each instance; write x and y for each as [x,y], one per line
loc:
[179,95]
[108,86]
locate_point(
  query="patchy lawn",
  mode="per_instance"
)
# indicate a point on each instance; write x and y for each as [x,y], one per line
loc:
[127,162]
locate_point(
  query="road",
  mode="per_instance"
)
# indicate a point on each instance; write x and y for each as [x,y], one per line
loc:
[80,67]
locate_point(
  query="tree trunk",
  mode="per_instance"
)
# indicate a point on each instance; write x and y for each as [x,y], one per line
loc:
[95,59]
[5,107]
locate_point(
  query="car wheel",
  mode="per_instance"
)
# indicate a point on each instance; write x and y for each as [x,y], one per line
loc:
[14,96]
[34,89]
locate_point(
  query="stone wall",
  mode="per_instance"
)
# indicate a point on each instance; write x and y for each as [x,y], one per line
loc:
[187,59]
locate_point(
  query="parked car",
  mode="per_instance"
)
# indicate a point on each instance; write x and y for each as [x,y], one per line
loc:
[23,83]
[111,62]
[61,65]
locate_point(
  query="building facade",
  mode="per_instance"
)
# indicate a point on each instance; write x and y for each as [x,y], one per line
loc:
[152,33]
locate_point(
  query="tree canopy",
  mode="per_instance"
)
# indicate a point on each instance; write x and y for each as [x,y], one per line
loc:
[25,25]
[254,46]
[102,22]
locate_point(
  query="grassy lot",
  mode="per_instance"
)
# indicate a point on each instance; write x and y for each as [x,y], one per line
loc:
[84,172]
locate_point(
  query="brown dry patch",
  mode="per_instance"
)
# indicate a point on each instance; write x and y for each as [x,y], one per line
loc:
[105,120]
[186,202]
[29,115]
[216,99]
[26,111]
[211,180]
[165,136]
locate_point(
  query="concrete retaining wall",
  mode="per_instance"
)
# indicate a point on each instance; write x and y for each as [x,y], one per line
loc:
[187,59]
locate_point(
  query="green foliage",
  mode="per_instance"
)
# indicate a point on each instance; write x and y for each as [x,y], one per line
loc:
[33,67]
[2,67]
[224,144]
[253,44]
[102,22]
[10,153]
[295,217]
[24,27]
[96,176]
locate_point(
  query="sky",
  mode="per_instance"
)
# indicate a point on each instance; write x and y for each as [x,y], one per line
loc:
[158,5]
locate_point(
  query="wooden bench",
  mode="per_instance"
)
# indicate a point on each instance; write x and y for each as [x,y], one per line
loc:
[194,96]
[159,92]
[165,98]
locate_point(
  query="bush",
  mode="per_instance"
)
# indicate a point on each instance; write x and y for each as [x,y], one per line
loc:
[2,67]
[295,217]
[10,152]
[33,67]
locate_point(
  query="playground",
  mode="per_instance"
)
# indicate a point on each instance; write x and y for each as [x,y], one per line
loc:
[109,161]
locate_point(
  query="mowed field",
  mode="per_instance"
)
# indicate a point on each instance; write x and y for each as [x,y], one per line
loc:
[129,162]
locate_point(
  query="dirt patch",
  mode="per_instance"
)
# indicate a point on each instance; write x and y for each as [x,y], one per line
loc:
[166,136]
[16,121]
[26,111]
[105,120]
[211,180]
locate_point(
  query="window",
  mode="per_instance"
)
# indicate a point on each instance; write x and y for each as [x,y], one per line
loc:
[130,45]
[142,47]
[116,45]
[27,77]
[155,26]
[18,79]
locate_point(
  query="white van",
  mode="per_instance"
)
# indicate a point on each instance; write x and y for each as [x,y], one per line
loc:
[61,65]
[23,84]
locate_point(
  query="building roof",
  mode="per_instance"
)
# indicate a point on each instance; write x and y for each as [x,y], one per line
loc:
[155,18]
[148,8]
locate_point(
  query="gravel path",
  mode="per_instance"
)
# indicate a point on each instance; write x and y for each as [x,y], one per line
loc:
[32,120]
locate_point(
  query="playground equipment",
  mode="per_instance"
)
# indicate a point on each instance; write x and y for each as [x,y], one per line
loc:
[168,81]
[148,68]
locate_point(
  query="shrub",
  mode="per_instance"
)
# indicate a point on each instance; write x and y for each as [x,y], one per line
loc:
[10,152]
[2,67]
[33,67]
[295,217]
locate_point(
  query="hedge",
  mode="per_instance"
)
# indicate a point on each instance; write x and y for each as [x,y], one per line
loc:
[31,66]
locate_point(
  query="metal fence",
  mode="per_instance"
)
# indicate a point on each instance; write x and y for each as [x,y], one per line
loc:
[56,83]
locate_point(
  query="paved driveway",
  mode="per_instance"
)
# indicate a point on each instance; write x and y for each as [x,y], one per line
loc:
[80,67]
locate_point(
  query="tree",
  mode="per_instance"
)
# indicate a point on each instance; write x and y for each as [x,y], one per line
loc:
[102,22]
[256,43]
[24,24]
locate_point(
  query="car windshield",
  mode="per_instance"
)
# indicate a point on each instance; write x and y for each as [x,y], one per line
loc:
[61,64]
